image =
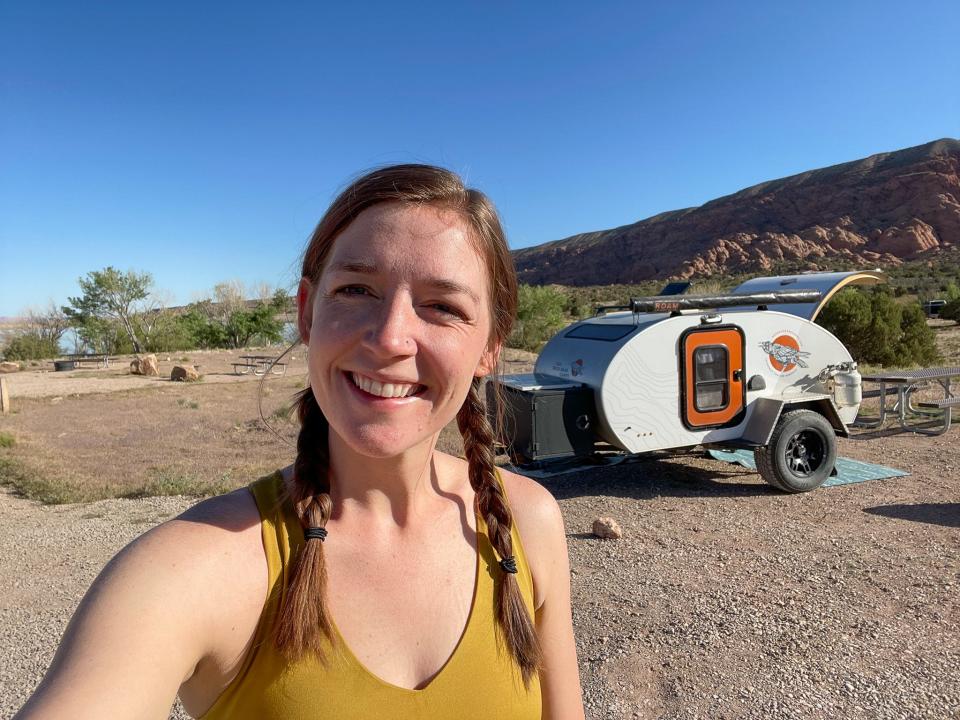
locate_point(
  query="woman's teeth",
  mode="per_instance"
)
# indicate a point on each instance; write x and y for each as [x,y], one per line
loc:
[384,390]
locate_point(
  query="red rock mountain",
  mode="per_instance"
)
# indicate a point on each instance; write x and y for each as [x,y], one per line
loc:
[877,211]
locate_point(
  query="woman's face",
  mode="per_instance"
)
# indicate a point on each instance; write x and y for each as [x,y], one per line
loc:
[398,325]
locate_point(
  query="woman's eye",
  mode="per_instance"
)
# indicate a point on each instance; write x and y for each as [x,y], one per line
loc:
[351,290]
[447,310]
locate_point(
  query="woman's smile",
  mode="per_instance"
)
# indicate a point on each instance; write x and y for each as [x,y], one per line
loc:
[376,390]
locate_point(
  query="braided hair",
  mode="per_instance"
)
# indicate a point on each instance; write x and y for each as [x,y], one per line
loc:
[304,622]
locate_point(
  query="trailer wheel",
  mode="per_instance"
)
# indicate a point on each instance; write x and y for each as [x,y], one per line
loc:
[801,453]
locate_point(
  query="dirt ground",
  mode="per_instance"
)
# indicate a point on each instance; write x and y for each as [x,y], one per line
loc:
[724,599]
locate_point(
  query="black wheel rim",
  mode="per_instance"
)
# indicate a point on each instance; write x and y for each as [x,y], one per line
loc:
[805,453]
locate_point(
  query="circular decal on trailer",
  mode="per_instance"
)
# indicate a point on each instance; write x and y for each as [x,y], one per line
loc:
[783,353]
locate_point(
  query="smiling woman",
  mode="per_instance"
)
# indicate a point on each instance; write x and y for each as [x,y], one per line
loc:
[375,576]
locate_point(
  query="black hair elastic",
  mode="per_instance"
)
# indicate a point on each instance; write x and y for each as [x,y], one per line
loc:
[509,565]
[315,533]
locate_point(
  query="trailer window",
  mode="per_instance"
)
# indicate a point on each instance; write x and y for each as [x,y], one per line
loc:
[711,384]
[601,331]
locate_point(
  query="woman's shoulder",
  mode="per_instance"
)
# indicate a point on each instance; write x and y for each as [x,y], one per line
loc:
[539,523]
[213,545]
[530,501]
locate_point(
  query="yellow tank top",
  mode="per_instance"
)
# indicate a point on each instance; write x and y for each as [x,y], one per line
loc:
[478,681]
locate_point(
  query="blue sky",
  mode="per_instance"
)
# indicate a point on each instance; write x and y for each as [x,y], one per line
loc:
[202,142]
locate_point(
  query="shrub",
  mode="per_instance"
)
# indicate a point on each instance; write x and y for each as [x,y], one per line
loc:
[31,347]
[879,331]
[951,311]
[539,316]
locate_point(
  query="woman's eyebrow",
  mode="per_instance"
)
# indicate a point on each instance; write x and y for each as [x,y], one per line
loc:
[355,266]
[451,286]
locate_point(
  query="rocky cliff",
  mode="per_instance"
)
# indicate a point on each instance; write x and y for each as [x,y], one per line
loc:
[877,211]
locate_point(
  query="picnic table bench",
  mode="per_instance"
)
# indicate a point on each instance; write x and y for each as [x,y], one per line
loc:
[903,383]
[259,365]
[69,362]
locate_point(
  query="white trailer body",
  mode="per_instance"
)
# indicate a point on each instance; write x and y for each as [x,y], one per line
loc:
[641,382]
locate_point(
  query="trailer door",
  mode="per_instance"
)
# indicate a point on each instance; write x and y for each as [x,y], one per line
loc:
[712,386]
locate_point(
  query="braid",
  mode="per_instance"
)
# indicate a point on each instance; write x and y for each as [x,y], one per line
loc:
[304,620]
[513,619]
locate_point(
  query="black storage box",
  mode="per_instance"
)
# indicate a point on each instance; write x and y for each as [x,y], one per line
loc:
[543,417]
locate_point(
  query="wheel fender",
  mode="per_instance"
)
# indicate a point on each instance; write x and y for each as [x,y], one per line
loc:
[766,413]
[826,407]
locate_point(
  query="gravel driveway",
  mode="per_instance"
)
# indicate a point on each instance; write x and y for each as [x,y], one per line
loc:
[723,599]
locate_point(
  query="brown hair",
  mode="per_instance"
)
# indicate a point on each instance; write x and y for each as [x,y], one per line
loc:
[304,620]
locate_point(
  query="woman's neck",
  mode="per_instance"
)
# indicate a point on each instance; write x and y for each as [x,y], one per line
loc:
[396,490]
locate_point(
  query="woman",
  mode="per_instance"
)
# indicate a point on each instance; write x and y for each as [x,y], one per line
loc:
[376,576]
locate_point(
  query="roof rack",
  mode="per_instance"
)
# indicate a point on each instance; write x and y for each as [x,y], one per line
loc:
[675,303]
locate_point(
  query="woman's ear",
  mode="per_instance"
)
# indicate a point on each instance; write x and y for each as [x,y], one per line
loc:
[489,360]
[304,310]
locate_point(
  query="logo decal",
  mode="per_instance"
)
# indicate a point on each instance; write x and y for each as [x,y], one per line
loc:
[783,353]
[576,368]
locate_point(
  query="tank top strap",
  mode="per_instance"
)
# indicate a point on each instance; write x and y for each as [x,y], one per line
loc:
[524,575]
[279,547]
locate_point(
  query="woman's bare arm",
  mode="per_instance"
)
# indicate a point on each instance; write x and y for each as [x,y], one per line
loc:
[140,631]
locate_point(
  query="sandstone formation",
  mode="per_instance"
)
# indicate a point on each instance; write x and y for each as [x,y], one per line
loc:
[182,373]
[877,211]
[146,365]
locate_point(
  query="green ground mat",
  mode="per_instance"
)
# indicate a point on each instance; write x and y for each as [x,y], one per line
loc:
[848,471]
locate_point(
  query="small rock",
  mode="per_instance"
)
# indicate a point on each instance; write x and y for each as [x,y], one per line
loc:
[608,528]
[9,367]
[183,373]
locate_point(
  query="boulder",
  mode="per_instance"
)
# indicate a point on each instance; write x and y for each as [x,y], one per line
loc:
[148,365]
[181,373]
[607,528]
[9,367]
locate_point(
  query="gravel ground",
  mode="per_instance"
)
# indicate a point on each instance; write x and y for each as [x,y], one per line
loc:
[722,600]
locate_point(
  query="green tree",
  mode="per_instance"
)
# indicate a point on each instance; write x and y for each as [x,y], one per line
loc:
[101,335]
[202,330]
[917,339]
[876,329]
[260,322]
[108,295]
[539,316]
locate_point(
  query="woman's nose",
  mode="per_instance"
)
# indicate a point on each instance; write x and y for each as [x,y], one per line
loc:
[394,327]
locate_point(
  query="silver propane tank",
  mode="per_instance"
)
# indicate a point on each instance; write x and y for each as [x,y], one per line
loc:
[847,384]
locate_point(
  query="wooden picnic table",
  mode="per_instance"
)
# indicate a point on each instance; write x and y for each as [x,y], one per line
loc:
[260,365]
[101,360]
[905,383]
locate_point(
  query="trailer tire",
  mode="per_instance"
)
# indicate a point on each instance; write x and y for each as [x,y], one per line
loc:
[801,453]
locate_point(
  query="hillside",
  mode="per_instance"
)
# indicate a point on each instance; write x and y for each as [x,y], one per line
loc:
[878,211]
